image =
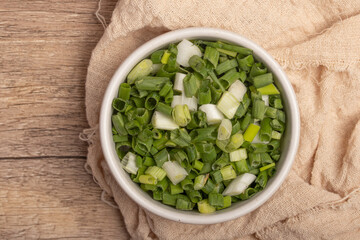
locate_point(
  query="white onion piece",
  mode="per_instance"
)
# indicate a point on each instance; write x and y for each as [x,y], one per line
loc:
[129,164]
[213,115]
[174,172]
[239,184]
[177,100]
[265,98]
[192,103]
[162,121]
[238,90]
[178,83]
[186,50]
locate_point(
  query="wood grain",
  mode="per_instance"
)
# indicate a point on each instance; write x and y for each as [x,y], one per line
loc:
[45,47]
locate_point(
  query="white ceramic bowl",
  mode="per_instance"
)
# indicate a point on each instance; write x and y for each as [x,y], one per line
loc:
[289,143]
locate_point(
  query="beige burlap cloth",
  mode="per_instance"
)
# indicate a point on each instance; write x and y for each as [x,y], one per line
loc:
[318,45]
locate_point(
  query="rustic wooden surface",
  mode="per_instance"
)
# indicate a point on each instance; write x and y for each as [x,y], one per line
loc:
[45,46]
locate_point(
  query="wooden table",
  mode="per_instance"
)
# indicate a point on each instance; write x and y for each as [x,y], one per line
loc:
[45,47]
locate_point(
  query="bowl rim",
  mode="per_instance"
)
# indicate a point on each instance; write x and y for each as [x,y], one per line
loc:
[137,194]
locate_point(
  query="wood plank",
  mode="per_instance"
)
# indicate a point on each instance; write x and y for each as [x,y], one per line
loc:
[53,198]
[45,48]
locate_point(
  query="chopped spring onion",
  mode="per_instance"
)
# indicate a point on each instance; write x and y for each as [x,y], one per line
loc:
[175,189]
[268,90]
[259,109]
[200,181]
[213,115]
[236,141]
[224,130]
[227,52]
[205,207]
[186,50]
[251,132]
[147,179]
[162,121]
[156,172]
[267,167]
[165,109]
[263,80]
[275,135]
[165,57]
[155,68]
[142,69]
[238,155]
[181,115]
[238,90]
[182,100]
[174,172]
[228,105]
[228,172]
[129,163]
[239,184]
[212,55]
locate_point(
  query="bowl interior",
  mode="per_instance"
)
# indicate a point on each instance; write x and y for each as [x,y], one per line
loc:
[289,141]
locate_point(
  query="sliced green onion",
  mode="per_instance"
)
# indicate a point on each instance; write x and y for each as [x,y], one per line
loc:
[268,90]
[133,127]
[236,128]
[236,141]
[238,90]
[151,83]
[118,123]
[129,163]
[267,167]
[228,105]
[182,204]
[157,195]
[163,108]
[179,82]
[224,130]
[156,172]
[198,65]
[119,104]
[262,179]
[142,115]
[209,186]
[228,172]
[161,157]
[204,96]
[148,161]
[245,63]
[169,199]
[120,138]
[242,166]
[251,132]
[275,135]
[162,185]
[124,91]
[216,200]
[186,50]
[254,160]
[271,112]
[156,56]
[187,184]
[265,130]
[259,109]
[276,125]
[238,155]
[216,176]
[207,151]
[142,69]
[263,80]
[165,89]
[205,207]
[198,165]
[215,92]
[190,85]
[227,52]
[230,77]
[258,69]
[221,162]
[226,66]
[147,179]
[239,184]
[162,121]
[213,115]
[200,181]
[165,57]
[174,172]
[175,189]
[181,115]
[148,187]
[195,196]
[180,137]
[212,55]
[278,103]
